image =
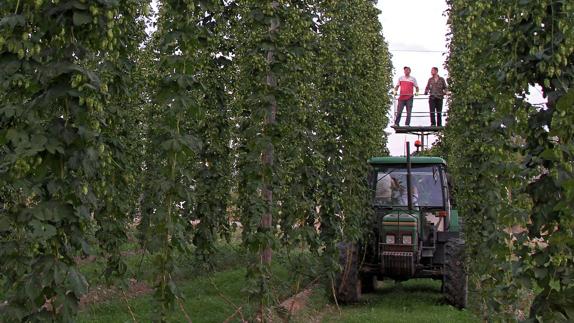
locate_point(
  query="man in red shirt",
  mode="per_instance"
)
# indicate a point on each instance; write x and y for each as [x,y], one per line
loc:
[407,83]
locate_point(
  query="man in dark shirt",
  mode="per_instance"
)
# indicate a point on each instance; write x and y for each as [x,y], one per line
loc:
[436,88]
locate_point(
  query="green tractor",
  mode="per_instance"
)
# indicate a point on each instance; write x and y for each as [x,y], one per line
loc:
[416,235]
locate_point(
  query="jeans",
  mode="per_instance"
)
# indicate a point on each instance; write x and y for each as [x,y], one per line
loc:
[435,105]
[401,105]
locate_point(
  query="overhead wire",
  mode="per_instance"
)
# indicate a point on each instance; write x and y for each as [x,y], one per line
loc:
[417,51]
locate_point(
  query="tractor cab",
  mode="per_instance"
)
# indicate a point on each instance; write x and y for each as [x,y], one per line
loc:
[428,188]
[415,232]
[411,230]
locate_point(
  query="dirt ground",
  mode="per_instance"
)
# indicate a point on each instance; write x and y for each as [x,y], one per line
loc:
[99,294]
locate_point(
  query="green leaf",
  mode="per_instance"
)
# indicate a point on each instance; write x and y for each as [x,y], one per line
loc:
[81,18]
[32,288]
[540,273]
[77,282]
[171,145]
[42,231]
[13,21]
[60,272]
[4,224]
[191,142]
[550,154]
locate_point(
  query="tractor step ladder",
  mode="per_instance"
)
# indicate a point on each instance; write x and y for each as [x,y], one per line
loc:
[427,251]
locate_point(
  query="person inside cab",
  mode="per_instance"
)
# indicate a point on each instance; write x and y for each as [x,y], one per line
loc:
[399,191]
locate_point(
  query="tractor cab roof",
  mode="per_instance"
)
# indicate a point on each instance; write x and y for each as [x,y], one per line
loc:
[394,160]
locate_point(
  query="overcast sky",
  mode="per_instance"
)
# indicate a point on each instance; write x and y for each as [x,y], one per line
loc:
[416,33]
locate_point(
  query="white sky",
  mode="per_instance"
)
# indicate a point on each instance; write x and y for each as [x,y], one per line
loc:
[416,33]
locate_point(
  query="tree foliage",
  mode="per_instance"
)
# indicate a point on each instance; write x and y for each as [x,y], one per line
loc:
[511,158]
[104,127]
[62,75]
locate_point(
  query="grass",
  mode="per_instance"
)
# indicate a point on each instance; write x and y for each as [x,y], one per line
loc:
[203,303]
[418,300]
[216,295]
[208,298]
[227,256]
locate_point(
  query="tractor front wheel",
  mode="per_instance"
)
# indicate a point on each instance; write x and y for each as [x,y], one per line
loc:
[347,281]
[455,279]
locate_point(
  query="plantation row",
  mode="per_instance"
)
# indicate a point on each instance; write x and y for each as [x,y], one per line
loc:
[511,158]
[262,112]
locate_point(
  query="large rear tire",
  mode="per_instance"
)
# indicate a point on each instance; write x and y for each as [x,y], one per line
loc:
[347,281]
[455,279]
[368,283]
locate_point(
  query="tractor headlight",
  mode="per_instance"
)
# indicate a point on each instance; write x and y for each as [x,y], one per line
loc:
[408,239]
[390,239]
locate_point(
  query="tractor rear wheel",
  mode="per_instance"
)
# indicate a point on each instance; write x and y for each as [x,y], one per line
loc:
[368,283]
[347,281]
[455,279]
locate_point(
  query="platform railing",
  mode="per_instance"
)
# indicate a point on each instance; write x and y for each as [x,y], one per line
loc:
[420,115]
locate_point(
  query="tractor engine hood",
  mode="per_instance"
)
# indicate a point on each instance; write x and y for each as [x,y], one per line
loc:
[409,221]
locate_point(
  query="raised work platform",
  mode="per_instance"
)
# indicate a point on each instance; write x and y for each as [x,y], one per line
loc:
[416,129]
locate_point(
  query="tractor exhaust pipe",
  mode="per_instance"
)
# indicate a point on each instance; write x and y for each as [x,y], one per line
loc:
[409,184]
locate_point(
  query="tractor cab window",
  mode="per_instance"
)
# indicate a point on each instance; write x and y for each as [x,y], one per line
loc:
[426,187]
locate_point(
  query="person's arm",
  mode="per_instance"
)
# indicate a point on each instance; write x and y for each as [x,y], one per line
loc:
[398,84]
[427,88]
[416,85]
[415,196]
[445,86]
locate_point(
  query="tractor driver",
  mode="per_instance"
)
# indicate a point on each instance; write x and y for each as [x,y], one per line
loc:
[384,190]
[399,192]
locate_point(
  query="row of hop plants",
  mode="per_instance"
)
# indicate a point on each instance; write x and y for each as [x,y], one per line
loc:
[270,108]
[511,157]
